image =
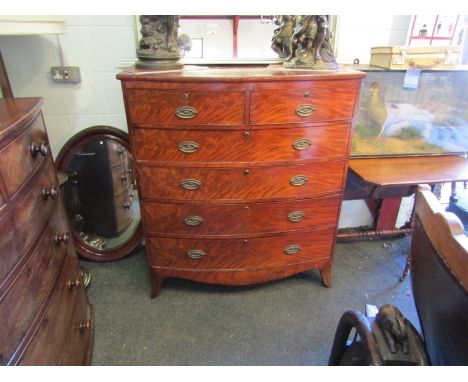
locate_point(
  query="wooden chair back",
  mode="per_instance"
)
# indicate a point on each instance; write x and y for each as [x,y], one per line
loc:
[440,280]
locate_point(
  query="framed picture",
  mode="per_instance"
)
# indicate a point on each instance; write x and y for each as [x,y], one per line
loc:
[434,30]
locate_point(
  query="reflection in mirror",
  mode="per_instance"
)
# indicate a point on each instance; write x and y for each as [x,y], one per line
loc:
[100,193]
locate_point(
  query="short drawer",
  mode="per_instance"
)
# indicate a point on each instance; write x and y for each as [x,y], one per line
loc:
[231,254]
[239,218]
[23,155]
[250,145]
[23,301]
[185,108]
[249,183]
[306,105]
[21,225]
[46,345]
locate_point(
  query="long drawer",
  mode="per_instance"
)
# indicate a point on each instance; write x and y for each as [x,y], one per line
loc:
[229,254]
[239,218]
[23,155]
[285,144]
[173,107]
[254,183]
[53,329]
[20,227]
[305,105]
[78,345]
[22,302]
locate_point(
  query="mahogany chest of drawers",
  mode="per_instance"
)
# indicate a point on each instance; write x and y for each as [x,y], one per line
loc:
[240,171]
[45,313]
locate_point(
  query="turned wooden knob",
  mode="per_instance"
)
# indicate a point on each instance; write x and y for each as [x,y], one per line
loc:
[62,237]
[42,148]
[74,284]
[84,325]
[52,192]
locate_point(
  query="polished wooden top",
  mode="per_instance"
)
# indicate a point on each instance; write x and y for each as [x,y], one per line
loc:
[204,73]
[16,113]
[410,170]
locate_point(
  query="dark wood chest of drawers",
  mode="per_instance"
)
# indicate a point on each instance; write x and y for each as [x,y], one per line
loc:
[46,317]
[240,171]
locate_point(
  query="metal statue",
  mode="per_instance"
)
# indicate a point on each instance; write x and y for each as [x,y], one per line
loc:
[304,41]
[158,47]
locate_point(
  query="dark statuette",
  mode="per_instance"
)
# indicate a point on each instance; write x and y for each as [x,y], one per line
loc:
[394,327]
[304,41]
[158,47]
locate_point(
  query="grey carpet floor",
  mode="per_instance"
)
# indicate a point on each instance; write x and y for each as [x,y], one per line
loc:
[285,322]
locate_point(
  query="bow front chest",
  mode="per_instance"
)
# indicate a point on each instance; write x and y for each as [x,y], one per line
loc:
[240,171]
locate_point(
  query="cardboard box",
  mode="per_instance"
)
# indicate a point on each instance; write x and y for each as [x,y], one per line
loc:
[400,57]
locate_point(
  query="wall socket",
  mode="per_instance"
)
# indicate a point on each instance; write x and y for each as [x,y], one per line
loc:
[65,74]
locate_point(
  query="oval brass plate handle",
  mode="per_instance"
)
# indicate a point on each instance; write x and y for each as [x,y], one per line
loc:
[296,216]
[305,110]
[298,180]
[195,254]
[188,147]
[302,144]
[292,249]
[193,220]
[191,184]
[186,112]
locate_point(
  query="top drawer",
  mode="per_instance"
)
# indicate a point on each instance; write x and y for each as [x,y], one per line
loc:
[306,105]
[23,155]
[185,108]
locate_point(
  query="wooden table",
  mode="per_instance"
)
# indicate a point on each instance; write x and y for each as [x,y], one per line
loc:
[387,180]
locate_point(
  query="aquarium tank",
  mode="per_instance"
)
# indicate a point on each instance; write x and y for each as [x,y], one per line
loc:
[428,120]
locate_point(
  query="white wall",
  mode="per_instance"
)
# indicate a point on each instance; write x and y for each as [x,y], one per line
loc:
[357,35]
[99,44]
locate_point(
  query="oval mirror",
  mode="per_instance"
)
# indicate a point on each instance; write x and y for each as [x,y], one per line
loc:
[100,193]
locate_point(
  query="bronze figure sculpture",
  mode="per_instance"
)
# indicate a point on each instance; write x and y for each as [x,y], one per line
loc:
[305,41]
[158,47]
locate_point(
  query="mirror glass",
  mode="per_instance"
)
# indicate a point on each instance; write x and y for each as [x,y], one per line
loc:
[100,194]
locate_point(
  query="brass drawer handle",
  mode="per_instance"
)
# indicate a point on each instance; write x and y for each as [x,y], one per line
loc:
[191,184]
[296,216]
[298,180]
[195,254]
[74,284]
[193,220]
[186,112]
[305,110]
[52,192]
[62,238]
[42,148]
[302,144]
[188,147]
[292,249]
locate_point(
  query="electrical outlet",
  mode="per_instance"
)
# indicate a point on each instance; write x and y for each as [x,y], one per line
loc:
[65,74]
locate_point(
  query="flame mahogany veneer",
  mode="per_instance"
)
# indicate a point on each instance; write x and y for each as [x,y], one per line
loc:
[240,171]
[46,316]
